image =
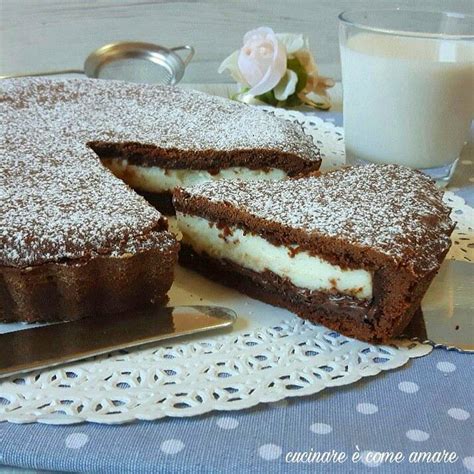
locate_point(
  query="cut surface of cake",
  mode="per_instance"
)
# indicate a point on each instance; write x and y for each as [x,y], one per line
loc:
[156,138]
[353,249]
[75,241]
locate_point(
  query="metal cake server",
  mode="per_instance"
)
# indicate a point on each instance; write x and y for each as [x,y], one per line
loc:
[54,344]
[446,318]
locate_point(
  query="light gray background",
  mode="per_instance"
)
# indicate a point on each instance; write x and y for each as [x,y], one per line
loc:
[52,34]
[57,34]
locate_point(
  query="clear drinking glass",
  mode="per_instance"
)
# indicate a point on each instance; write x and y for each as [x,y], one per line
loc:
[408,84]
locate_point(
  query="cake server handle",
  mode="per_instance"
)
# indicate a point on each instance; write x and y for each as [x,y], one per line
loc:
[37,348]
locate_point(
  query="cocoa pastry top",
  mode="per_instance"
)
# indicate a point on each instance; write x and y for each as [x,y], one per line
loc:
[170,118]
[57,200]
[56,205]
[352,215]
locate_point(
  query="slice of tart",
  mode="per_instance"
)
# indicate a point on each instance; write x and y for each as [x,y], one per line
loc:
[353,249]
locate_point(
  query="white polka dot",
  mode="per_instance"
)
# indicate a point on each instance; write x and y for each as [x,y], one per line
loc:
[417,435]
[172,446]
[459,414]
[466,162]
[269,451]
[227,423]
[367,408]
[370,459]
[76,440]
[469,463]
[408,387]
[471,180]
[320,428]
[446,366]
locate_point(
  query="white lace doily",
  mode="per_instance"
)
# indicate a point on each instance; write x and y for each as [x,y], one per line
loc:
[226,372]
[463,234]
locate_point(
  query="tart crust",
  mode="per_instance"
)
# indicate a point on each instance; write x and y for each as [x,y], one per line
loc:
[88,287]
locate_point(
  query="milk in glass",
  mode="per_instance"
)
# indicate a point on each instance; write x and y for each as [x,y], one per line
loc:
[407,100]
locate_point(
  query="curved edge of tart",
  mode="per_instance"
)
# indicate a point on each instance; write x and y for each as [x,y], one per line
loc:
[65,291]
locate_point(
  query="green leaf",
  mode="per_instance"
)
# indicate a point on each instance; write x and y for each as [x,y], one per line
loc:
[296,66]
[268,98]
[293,101]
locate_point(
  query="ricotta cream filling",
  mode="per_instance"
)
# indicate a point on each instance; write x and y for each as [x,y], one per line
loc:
[255,253]
[154,179]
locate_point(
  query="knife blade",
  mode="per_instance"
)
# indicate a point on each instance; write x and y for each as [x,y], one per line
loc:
[54,344]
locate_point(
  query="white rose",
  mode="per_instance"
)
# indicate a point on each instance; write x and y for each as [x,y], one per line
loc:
[261,65]
[262,60]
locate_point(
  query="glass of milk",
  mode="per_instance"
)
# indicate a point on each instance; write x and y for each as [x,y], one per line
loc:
[408,84]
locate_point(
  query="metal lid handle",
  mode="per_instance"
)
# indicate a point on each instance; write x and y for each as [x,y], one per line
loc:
[186,47]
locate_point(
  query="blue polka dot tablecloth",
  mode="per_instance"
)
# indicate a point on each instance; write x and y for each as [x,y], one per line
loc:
[418,418]
[425,408]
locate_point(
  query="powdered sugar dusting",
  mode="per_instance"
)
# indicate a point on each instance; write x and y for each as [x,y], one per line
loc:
[94,110]
[57,200]
[390,209]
